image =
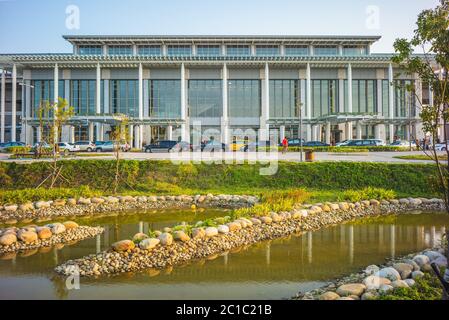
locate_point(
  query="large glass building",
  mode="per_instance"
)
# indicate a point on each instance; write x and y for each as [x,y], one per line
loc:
[170,86]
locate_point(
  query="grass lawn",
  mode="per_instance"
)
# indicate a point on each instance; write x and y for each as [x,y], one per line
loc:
[420,157]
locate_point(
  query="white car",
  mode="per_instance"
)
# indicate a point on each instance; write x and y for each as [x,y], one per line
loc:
[402,144]
[441,146]
[68,147]
[343,143]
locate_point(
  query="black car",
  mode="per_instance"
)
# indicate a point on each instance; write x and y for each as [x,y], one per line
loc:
[161,146]
[4,146]
[213,146]
[364,143]
[315,144]
[294,143]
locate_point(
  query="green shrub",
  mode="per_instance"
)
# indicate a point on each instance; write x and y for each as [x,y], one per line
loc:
[18,149]
[426,288]
[367,194]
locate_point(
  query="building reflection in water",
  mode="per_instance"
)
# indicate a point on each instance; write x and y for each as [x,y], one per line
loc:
[351,244]
[309,246]
[268,253]
[392,241]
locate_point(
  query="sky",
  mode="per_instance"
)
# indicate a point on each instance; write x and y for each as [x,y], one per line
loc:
[37,26]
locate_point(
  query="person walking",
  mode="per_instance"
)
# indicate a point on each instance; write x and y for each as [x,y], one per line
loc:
[284,145]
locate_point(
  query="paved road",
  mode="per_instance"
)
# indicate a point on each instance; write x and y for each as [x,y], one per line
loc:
[230,157]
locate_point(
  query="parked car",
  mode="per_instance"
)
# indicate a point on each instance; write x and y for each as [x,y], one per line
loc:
[315,144]
[294,143]
[99,143]
[161,146]
[441,146]
[342,143]
[366,143]
[6,145]
[254,146]
[183,146]
[67,147]
[88,146]
[105,146]
[213,146]
[237,145]
[400,143]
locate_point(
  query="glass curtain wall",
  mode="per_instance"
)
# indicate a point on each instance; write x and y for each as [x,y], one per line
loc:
[244,98]
[205,98]
[364,96]
[44,91]
[124,97]
[165,99]
[324,97]
[284,95]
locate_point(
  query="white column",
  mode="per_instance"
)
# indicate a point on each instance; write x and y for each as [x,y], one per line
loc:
[56,97]
[72,134]
[391,99]
[2,107]
[225,118]
[379,98]
[265,131]
[309,92]
[38,134]
[91,131]
[377,131]
[349,88]
[137,140]
[348,131]
[13,103]
[140,91]
[98,90]
[359,130]
[131,135]
[309,130]
[170,132]
[328,133]
[313,129]
[100,131]
[184,126]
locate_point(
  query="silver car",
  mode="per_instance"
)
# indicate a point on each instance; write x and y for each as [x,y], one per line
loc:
[88,146]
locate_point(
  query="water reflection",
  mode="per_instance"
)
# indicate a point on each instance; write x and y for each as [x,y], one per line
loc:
[271,269]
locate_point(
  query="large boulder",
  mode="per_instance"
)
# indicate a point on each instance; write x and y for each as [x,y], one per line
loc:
[440,262]
[329,296]
[148,244]
[374,282]
[26,207]
[123,245]
[44,233]
[417,275]
[399,284]
[181,236]
[390,273]
[433,255]
[412,263]
[57,228]
[223,229]
[356,289]
[404,269]
[372,269]
[233,226]
[70,225]
[166,239]
[198,233]
[266,220]
[8,239]
[421,260]
[27,236]
[139,237]
[211,232]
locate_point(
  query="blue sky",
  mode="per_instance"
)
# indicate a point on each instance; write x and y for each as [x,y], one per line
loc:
[29,26]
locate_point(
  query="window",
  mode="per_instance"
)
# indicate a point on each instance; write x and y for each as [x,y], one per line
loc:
[149,50]
[354,51]
[296,50]
[324,97]
[208,50]
[267,50]
[325,50]
[284,95]
[85,50]
[83,96]
[385,98]
[124,97]
[120,50]
[165,99]
[44,92]
[205,98]
[404,100]
[364,96]
[244,98]
[238,50]
[179,50]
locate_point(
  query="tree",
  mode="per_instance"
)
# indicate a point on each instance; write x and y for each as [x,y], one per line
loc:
[119,133]
[432,35]
[53,116]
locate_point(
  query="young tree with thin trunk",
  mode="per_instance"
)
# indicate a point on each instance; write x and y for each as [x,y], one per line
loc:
[432,36]
[119,133]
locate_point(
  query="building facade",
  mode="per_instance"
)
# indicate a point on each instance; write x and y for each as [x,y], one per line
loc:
[328,88]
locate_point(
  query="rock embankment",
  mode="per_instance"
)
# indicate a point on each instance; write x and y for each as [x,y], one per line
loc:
[15,239]
[41,210]
[182,244]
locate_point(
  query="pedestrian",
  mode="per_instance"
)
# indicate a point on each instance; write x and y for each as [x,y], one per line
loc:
[284,145]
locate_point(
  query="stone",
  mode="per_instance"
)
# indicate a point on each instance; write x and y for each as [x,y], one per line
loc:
[59,203]
[374,202]
[143,199]
[412,263]
[440,262]
[255,221]
[351,289]
[167,229]
[404,269]
[404,201]
[368,296]
[417,275]
[365,203]
[346,298]
[44,233]
[374,282]
[242,223]
[58,228]
[180,236]
[27,236]
[223,229]
[372,269]
[42,205]
[266,220]
[410,282]
[166,239]
[8,239]
[198,233]
[138,237]
[152,199]
[70,225]
[389,273]
[84,201]
[433,255]
[326,208]
[149,243]
[96,200]
[415,202]
[329,296]
[334,206]
[26,207]
[426,268]
[111,199]
[316,209]
[123,245]
[71,202]
[384,202]
[201,199]
[124,199]
[421,260]
[385,288]
[211,232]
[394,202]
[275,217]
[399,284]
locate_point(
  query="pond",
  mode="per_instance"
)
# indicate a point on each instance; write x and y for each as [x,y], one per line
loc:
[269,270]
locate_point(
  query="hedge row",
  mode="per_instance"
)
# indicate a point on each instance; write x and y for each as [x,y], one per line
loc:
[166,177]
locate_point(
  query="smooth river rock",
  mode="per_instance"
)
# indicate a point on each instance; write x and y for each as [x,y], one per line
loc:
[329,296]
[148,244]
[374,282]
[421,260]
[8,239]
[390,273]
[27,236]
[140,236]
[351,289]
[211,232]
[404,269]
[181,236]
[123,245]
[166,239]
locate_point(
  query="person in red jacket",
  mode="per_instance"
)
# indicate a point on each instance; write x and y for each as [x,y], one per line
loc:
[284,145]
